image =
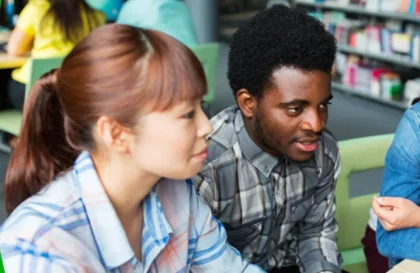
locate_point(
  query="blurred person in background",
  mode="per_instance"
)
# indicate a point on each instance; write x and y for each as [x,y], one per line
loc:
[47,28]
[172,17]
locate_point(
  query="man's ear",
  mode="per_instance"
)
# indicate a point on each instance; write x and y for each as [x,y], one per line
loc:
[246,102]
[113,134]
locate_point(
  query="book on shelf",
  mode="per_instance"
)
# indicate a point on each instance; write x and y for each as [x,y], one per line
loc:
[415,48]
[391,39]
[389,6]
[373,80]
[368,45]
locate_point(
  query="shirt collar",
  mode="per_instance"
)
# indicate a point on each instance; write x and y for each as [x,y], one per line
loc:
[110,237]
[261,160]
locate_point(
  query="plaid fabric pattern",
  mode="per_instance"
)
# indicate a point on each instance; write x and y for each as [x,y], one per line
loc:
[71,226]
[276,212]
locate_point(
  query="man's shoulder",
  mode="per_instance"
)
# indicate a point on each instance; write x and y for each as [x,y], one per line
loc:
[223,137]
[329,141]
[328,151]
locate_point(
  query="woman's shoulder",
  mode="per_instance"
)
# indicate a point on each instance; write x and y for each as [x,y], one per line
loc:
[35,10]
[409,123]
[100,16]
[413,111]
[40,4]
[43,211]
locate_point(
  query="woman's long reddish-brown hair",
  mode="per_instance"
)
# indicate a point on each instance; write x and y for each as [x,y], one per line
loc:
[117,71]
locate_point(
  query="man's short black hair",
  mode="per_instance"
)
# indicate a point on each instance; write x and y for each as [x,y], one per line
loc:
[274,38]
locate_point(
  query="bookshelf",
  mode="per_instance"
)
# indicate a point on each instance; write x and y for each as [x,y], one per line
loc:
[359,10]
[365,94]
[380,57]
[389,59]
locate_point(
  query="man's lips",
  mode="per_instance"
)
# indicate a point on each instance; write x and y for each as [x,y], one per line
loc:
[307,144]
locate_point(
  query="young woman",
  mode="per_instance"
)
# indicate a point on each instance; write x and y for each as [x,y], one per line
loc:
[398,211]
[47,28]
[92,187]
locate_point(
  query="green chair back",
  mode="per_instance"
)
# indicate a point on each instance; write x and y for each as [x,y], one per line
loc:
[39,67]
[208,56]
[11,119]
[352,213]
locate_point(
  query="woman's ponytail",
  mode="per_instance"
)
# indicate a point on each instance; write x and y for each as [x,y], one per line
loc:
[42,150]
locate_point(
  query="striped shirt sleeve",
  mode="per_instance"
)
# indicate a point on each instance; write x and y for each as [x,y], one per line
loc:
[27,257]
[213,253]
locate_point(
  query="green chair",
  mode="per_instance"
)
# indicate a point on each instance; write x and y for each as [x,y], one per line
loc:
[41,66]
[208,55]
[359,154]
[11,119]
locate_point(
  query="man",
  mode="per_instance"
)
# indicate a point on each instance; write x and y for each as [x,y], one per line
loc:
[272,166]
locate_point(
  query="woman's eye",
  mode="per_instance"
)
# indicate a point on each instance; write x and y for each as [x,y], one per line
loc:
[189,115]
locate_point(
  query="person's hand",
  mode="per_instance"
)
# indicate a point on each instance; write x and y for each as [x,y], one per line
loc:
[396,213]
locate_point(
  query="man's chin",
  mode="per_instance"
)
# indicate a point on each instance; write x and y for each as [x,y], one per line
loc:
[300,156]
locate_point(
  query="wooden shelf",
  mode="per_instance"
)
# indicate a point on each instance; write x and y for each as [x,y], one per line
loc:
[365,94]
[380,57]
[360,10]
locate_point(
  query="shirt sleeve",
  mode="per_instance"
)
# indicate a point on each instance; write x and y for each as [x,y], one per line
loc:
[212,252]
[101,18]
[402,179]
[204,183]
[317,241]
[25,257]
[30,17]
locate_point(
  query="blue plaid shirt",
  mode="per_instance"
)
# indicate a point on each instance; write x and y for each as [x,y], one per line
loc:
[71,226]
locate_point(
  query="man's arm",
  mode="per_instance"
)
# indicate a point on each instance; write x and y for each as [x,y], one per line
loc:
[317,244]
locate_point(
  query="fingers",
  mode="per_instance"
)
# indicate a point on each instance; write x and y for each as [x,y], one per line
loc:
[389,201]
[384,213]
[396,213]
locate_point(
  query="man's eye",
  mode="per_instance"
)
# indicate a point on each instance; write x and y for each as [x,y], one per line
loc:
[294,109]
[325,105]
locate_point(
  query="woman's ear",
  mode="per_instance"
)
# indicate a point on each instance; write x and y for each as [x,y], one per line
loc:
[112,134]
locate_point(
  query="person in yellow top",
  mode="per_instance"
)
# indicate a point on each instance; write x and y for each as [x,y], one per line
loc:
[48,28]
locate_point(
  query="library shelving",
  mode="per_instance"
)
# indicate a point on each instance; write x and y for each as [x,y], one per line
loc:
[391,60]
[360,10]
[380,57]
[400,104]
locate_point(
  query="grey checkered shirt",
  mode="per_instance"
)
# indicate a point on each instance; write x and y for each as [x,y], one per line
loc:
[276,212]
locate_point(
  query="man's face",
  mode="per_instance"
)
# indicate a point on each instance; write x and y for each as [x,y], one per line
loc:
[290,116]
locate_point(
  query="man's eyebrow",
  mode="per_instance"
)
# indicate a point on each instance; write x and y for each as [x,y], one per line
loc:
[301,102]
[294,102]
